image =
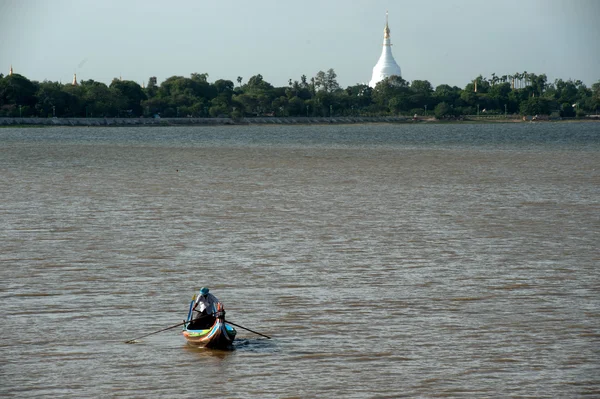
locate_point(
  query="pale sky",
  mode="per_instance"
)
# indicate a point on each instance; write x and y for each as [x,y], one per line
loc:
[443,41]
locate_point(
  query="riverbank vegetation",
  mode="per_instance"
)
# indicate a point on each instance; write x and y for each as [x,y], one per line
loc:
[320,96]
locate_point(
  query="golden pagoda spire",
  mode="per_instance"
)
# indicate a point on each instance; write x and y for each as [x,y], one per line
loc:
[10,72]
[386,30]
[74,79]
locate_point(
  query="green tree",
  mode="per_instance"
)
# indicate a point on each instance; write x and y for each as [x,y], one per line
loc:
[421,94]
[296,107]
[326,81]
[483,85]
[446,93]
[515,99]
[258,96]
[99,100]
[280,105]
[443,110]
[321,95]
[51,99]
[499,93]
[224,89]
[538,83]
[567,110]
[360,98]
[248,103]
[595,99]
[224,86]
[152,87]
[257,83]
[16,90]
[303,82]
[392,87]
[468,98]
[536,106]
[566,91]
[75,106]
[219,107]
[131,94]
[199,77]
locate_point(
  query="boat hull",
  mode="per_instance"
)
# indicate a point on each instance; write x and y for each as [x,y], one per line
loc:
[219,336]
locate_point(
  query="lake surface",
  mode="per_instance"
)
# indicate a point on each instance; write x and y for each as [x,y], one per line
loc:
[384,261]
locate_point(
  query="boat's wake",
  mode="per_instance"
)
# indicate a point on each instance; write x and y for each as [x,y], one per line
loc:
[254,345]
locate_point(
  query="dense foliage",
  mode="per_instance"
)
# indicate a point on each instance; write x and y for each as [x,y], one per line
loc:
[178,96]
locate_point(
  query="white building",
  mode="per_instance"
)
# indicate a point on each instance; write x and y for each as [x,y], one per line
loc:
[386,66]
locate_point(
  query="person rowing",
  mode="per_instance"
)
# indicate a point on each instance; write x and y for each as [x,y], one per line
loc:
[206,304]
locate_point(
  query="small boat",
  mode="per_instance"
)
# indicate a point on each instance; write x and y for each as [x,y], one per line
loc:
[209,331]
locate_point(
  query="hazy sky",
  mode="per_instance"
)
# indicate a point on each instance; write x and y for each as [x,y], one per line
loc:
[443,41]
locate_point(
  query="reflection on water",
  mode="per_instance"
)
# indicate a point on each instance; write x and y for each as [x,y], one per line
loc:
[207,353]
[384,261]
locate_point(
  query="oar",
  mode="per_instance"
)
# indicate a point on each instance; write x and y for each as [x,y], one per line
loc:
[155,332]
[168,328]
[237,325]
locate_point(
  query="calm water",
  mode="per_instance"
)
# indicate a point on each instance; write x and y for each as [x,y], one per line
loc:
[384,260]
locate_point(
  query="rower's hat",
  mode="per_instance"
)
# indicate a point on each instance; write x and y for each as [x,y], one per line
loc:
[204,291]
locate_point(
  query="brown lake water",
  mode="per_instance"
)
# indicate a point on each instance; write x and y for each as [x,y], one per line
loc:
[384,261]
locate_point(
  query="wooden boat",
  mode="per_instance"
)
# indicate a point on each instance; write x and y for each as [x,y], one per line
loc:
[209,331]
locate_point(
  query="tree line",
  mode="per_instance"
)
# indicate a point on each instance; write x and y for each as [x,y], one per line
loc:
[320,96]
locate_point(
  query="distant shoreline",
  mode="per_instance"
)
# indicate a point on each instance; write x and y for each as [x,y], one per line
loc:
[120,122]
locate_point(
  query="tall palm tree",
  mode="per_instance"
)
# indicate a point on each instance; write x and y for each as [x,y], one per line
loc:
[521,80]
[532,79]
[494,79]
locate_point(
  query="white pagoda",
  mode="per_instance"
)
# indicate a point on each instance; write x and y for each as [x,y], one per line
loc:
[386,66]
